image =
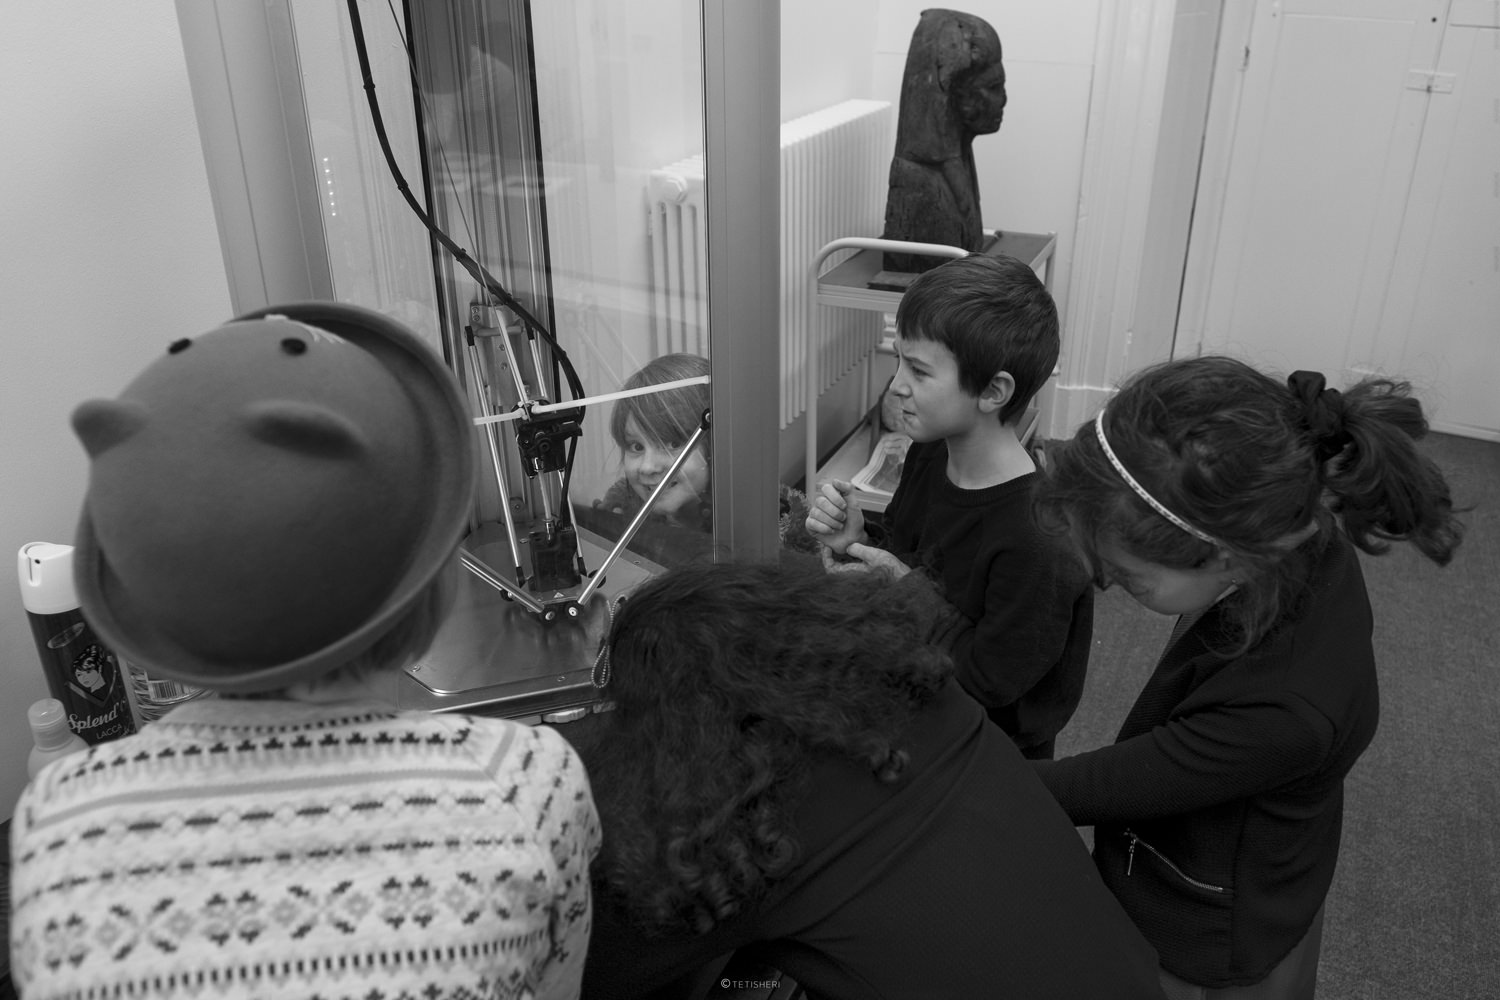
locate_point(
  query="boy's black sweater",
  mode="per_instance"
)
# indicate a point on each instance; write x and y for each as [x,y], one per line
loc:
[1028,604]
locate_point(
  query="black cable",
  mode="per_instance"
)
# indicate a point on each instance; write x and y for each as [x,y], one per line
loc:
[477,271]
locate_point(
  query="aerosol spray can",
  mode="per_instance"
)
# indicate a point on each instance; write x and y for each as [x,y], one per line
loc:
[82,673]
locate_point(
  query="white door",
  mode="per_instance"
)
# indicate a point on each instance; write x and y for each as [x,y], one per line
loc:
[1356,227]
[1440,319]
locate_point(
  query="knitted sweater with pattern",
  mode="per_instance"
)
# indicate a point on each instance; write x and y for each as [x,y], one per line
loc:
[260,848]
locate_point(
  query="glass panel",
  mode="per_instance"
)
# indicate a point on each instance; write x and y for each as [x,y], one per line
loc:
[619,95]
[578,322]
[379,255]
[542,128]
[558,148]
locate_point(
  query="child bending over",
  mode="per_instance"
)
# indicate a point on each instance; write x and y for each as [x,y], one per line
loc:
[790,768]
[1236,502]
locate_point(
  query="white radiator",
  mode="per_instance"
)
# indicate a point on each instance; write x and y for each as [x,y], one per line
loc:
[834,169]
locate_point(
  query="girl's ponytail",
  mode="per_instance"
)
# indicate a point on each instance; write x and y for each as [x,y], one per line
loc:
[1377,481]
[1266,469]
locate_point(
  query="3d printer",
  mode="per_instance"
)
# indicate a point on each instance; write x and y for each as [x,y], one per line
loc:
[476,169]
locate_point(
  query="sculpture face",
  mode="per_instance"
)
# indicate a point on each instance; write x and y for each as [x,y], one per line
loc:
[979,100]
[952,90]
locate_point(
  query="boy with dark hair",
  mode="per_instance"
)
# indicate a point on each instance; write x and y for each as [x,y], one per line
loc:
[977,338]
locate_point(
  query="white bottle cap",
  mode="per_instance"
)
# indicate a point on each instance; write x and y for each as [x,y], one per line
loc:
[46,570]
[49,723]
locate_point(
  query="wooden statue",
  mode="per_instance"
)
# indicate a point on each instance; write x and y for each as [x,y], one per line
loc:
[953,89]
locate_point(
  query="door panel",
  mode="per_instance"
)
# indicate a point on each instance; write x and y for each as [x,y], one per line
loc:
[1326,129]
[1441,323]
[1359,224]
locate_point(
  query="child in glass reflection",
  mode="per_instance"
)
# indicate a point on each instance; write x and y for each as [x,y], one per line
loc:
[1236,502]
[651,431]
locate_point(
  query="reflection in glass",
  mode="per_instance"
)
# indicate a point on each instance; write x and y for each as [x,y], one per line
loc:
[651,432]
[540,125]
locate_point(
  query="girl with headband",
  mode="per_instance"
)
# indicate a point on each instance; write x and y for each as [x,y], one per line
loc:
[1236,502]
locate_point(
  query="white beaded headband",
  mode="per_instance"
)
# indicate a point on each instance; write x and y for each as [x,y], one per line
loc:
[1140,490]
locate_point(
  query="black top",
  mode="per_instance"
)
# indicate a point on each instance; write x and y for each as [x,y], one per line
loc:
[1218,810]
[1028,601]
[7,987]
[961,880]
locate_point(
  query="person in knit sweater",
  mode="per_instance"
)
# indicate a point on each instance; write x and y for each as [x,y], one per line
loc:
[1235,501]
[978,337]
[272,514]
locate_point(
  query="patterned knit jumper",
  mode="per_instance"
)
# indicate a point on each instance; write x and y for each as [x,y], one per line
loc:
[259,848]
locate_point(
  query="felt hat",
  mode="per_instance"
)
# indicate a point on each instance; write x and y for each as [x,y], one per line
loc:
[267,499]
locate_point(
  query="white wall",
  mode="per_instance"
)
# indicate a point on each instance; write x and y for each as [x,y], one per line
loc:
[827,54]
[107,252]
[1195,34]
[827,57]
[1134,132]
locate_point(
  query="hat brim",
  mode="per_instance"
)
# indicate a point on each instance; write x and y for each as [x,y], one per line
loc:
[451,494]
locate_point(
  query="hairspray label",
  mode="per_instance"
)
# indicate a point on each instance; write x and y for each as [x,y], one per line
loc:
[84,675]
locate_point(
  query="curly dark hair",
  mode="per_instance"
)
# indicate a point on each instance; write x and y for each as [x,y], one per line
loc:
[729,683]
[1231,450]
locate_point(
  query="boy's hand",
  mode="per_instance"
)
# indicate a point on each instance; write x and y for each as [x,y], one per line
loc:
[832,564]
[835,521]
[879,561]
[863,558]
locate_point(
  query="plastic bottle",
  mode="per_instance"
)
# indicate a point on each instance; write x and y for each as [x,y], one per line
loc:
[51,735]
[152,697]
[82,673]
